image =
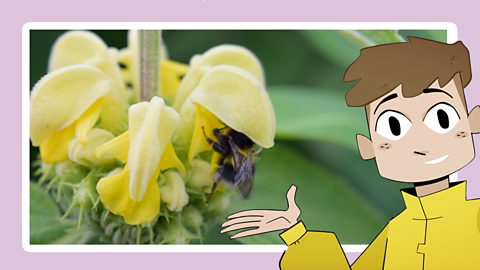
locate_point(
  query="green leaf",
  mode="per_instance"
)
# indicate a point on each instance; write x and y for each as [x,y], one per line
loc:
[45,223]
[367,38]
[73,236]
[361,175]
[310,114]
[333,46]
[281,52]
[214,237]
[327,202]
[437,35]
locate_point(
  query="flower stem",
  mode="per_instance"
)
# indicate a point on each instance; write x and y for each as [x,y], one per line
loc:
[149,63]
[139,234]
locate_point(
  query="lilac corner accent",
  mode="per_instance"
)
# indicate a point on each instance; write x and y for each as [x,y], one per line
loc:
[352,256]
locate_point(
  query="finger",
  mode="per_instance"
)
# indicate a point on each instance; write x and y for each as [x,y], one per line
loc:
[247,233]
[241,226]
[256,213]
[291,196]
[241,220]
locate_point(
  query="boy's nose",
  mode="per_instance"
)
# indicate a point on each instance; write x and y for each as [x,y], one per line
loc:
[422,153]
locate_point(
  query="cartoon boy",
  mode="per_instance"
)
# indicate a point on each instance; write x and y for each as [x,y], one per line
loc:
[420,133]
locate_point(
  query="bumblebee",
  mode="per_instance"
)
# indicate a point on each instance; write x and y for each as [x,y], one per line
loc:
[235,159]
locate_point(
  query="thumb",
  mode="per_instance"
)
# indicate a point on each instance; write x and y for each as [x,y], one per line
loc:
[291,197]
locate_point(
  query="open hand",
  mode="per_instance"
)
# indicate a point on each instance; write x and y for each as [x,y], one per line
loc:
[264,220]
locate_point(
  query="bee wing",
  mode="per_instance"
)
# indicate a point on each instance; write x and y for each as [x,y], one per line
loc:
[245,188]
[237,156]
[244,177]
[244,167]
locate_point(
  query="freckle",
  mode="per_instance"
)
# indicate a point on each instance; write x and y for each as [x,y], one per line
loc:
[385,146]
[461,134]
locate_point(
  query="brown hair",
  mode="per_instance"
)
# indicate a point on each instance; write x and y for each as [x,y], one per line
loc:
[415,65]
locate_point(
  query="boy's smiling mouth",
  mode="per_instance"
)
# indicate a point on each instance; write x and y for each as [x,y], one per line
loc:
[437,160]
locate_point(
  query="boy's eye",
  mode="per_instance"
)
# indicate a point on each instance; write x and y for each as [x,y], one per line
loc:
[441,118]
[392,125]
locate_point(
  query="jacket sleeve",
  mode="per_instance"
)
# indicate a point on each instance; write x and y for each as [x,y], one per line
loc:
[321,250]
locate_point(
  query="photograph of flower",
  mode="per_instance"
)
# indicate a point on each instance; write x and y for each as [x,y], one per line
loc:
[155,137]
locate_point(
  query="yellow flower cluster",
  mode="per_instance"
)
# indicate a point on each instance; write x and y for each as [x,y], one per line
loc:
[86,110]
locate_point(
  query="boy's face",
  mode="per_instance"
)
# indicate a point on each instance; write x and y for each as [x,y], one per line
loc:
[421,138]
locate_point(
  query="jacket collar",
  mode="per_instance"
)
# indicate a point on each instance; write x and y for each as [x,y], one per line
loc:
[435,205]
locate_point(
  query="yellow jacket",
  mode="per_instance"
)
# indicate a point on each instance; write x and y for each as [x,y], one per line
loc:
[438,231]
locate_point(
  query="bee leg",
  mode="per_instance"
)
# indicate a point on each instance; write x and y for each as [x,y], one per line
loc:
[216,177]
[216,180]
[216,131]
[216,147]
[258,151]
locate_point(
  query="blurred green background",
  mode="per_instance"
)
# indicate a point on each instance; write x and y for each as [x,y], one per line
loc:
[315,145]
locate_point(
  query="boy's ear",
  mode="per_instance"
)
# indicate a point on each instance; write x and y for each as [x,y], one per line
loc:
[365,147]
[474,120]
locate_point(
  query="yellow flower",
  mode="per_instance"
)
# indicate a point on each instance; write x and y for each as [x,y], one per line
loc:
[66,102]
[173,191]
[84,154]
[83,47]
[228,95]
[234,55]
[225,54]
[80,112]
[147,149]
[201,177]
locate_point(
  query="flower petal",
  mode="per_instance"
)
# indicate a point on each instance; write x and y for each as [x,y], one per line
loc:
[83,47]
[56,147]
[144,151]
[184,132]
[84,154]
[113,191]
[201,177]
[207,122]
[87,121]
[171,72]
[76,47]
[114,114]
[115,196]
[129,58]
[170,160]
[148,208]
[173,192]
[151,127]
[62,96]
[226,54]
[117,147]
[239,100]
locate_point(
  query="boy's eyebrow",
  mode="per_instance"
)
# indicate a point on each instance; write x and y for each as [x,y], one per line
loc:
[392,96]
[433,90]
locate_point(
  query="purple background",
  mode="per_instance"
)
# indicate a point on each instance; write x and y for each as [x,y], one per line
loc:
[463,13]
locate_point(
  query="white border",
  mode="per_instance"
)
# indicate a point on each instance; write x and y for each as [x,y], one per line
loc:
[452,36]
